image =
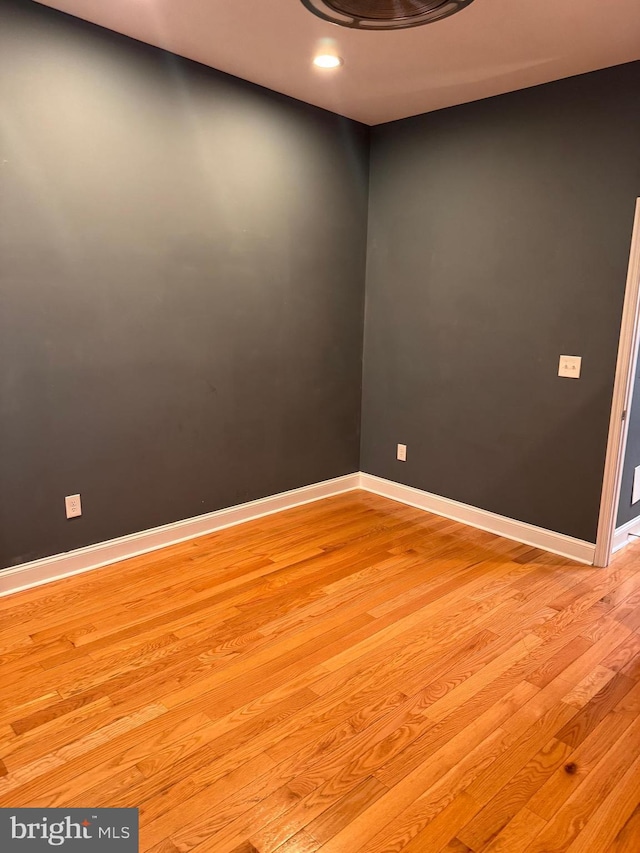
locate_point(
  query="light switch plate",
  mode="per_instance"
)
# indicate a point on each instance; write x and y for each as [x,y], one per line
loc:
[636,486]
[570,366]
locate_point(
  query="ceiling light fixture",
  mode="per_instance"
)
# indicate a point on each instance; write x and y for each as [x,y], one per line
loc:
[328,60]
[384,14]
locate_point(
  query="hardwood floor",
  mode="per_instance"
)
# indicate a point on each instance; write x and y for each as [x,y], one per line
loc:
[351,675]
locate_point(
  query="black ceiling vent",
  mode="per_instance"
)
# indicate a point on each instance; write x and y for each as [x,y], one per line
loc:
[384,14]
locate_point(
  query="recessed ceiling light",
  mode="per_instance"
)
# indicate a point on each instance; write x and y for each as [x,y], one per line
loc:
[328,60]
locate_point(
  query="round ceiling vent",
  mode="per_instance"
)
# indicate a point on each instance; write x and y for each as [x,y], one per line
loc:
[384,14]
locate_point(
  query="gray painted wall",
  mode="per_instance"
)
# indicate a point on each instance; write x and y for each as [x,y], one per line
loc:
[499,237]
[181,308]
[181,286]
[626,510]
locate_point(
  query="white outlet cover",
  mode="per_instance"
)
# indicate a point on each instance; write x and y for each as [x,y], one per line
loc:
[636,486]
[402,453]
[570,366]
[73,506]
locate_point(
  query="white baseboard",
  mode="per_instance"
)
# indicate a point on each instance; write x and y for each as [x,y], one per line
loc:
[528,534]
[61,566]
[81,560]
[621,535]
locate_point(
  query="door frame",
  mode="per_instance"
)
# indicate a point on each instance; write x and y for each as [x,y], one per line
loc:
[622,401]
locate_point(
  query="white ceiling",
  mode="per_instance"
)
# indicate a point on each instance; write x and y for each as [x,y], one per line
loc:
[493,46]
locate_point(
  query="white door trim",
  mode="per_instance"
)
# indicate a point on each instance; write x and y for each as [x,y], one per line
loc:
[622,400]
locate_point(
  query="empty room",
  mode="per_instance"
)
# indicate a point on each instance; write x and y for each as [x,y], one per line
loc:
[319,427]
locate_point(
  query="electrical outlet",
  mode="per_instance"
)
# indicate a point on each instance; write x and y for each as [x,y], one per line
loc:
[402,453]
[570,366]
[636,486]
[73,506]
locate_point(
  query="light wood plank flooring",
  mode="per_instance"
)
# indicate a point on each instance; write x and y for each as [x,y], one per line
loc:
[351,675]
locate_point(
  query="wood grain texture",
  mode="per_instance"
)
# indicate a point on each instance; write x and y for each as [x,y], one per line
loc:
[626,841]
[349,676]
